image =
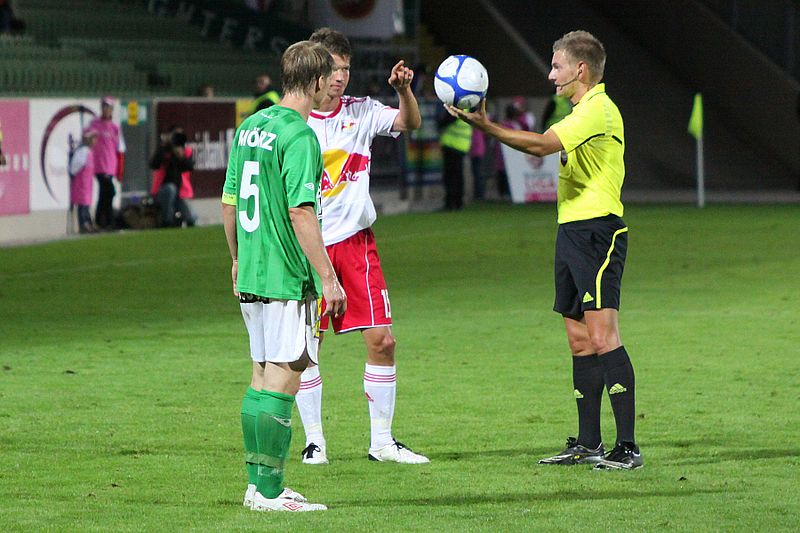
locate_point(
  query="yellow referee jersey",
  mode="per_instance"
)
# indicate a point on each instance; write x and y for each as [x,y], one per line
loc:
[592,165]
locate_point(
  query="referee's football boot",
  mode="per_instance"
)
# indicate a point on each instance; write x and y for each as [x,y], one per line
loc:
[624,456]
[575,454]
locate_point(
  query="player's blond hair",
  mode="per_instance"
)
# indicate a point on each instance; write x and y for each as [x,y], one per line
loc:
[302,64]
[583,46]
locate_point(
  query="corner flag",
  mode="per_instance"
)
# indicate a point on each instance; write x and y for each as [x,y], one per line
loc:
[696,130]
[696,119]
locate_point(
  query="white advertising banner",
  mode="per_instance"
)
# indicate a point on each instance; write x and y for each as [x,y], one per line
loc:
[56,126]
[359,18]
[531,178]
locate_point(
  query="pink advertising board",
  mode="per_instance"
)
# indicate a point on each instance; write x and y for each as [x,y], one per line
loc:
[15,174]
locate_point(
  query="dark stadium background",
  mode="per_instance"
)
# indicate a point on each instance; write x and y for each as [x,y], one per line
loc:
[153,55]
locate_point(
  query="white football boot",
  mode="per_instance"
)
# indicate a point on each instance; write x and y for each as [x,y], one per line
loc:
[287,493]
[397,452]
[315,455]
[288,500]
[248,495]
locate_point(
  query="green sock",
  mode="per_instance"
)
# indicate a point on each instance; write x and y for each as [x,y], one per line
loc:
[250,405]
[273,435]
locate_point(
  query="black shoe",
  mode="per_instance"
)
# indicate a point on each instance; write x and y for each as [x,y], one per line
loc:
[624,456]
[575,454]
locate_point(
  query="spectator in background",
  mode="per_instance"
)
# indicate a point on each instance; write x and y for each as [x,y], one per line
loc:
[9,22]
[206,91]
[556,109]
[456,138]
[525,118]
[81,172]
[477,151]
[172,166]
[514,120]
[423,153]
[259,5]
[2,157]
[109,159]
[6,16]
[265,95]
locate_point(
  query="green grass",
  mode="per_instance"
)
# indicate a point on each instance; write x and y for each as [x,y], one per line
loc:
[123,360]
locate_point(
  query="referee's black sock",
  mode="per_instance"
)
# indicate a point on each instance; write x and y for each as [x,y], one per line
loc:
[587,378]
[620,382]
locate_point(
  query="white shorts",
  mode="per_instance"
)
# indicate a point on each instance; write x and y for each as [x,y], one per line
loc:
[282,331]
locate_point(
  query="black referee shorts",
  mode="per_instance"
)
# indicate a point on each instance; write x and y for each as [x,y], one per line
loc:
[590,258]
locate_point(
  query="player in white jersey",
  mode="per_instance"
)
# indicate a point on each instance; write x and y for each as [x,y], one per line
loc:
[345,127]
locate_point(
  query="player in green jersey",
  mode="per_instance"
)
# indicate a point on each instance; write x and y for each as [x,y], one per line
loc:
[591,244]
[280,267]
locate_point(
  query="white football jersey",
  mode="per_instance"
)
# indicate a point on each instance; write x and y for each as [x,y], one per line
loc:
[345,137]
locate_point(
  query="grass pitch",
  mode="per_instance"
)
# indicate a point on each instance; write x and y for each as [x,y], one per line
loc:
[123,360]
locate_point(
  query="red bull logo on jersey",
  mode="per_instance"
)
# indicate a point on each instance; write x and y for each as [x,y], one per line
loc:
[341,168]
[348,124]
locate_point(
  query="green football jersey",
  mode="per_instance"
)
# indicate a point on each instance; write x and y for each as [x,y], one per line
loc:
[275,163]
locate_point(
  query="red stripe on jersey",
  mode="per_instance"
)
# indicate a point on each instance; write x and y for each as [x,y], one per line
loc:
[333,113]
[350,100]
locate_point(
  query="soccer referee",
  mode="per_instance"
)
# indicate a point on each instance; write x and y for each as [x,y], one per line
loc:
[591,245]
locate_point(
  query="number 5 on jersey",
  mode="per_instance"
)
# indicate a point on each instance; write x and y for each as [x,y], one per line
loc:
[246,190]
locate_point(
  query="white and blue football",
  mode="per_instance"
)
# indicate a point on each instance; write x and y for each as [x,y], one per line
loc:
[461,81]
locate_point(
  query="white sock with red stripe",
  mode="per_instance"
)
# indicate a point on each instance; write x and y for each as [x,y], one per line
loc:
[380,387]
[309,403]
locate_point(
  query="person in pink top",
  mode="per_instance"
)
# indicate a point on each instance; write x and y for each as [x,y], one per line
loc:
[108,155]
[81,171]
[515,120]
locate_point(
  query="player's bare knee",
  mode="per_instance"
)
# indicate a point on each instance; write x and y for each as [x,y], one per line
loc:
[387,346]
[389,342]
[603,342]
[381,351]
[581,347]
[579,342]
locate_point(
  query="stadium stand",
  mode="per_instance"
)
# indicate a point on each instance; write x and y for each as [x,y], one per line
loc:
[92,47]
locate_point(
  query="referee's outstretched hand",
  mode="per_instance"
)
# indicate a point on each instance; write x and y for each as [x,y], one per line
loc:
[476,118]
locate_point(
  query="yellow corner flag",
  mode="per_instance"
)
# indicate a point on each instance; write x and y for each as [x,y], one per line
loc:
[696,119]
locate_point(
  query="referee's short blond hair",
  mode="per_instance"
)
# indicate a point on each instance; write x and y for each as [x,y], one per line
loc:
[302,64]
[581,45]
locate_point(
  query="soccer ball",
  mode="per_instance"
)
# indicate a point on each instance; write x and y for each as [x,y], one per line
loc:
[461,81]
